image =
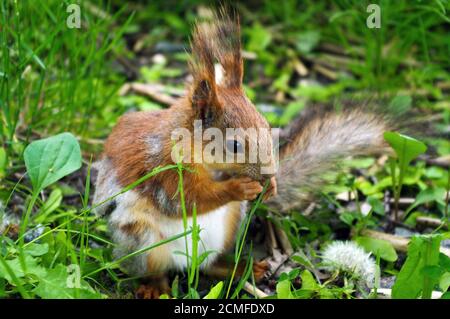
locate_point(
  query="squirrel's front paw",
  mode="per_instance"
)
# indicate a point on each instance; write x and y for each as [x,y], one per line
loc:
[271,189]
[244,188]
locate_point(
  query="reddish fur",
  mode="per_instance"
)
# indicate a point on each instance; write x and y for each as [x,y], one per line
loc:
[223,105]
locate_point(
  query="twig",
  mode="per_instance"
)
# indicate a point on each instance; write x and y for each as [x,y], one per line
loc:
[271,240]
[154,91]
[255,291]
[399,243]
[300,68]
[442,161]
[325,72]
[283,240]
[430,221]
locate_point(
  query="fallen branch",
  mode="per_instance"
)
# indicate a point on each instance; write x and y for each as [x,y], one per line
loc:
[154,91]
[255,291]
[399,243]
[430,222]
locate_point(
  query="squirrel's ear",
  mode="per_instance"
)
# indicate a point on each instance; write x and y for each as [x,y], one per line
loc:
[204,99]
[203,94]
[227,47]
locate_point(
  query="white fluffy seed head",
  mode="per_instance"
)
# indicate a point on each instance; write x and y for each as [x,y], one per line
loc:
[350,258]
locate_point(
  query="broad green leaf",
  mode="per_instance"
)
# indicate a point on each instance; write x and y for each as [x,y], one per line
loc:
[427,195]
[410,283]
[302,259]
[33,268]
[259,38]
[444,262]
[406,148]
[307,41]
[308,281]
[215,291]
[50,159]
[377,205]
[444,282]
[434,272]
[36,250]
[378,247]
[284,290]
[58,284]
[400,104]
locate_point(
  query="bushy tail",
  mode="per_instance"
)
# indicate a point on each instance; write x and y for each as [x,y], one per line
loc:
[318,143]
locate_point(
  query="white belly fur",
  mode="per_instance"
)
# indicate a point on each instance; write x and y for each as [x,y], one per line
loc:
[212,235]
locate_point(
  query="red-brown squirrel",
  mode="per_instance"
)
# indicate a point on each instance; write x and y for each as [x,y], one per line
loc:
[142,141]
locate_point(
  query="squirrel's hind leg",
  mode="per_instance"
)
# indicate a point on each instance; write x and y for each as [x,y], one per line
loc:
[153,287]
[222,269]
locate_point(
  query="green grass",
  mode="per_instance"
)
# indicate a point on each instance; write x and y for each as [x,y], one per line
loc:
[55,79]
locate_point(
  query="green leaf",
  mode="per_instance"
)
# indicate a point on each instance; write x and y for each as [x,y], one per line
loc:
[291,111]
[57,284]
[307,41]
[302,259]
[215,291]
[50,159]
[406,148]
[36,250]
[444,262]
[411,281]
[377,205]
[33,268]
[400,104]
[378,247]
[444,282]
[434,272]
[308,281]
[284,290]
[259,38]
[427,195]
[50,205]
[3,162]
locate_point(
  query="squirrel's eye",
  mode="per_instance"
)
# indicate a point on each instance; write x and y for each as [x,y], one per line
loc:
[234,146]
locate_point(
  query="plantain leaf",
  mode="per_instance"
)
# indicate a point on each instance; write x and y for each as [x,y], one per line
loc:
[378,247]
[412,281]
[50,159]
[406,148]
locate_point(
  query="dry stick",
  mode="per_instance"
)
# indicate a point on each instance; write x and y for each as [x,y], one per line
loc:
[155,92]
[328,73]
[443,161]
[283,241]
[271,240]
[431,222]
[255,291]
[399,243]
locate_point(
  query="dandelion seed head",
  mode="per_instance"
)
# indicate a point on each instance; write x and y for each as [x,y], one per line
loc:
[350,258]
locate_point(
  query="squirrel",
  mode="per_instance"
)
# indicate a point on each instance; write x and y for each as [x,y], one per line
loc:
[219,192]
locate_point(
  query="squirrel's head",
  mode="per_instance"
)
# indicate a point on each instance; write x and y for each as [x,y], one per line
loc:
[222,106]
